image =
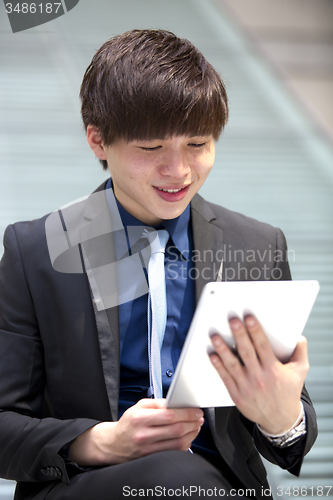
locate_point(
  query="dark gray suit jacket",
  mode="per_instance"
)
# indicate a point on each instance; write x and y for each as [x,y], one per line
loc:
[59,354]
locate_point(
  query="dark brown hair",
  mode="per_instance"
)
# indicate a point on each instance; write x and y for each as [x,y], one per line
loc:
[150,84]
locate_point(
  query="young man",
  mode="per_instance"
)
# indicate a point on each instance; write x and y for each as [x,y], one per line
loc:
[75,370]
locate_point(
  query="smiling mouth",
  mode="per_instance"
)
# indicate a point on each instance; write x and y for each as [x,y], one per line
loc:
[171,190]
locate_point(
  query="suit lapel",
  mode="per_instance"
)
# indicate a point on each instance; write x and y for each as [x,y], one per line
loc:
[208,245]
[97,247]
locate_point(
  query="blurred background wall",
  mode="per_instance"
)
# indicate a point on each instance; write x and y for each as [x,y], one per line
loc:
[274,161]
[295,37]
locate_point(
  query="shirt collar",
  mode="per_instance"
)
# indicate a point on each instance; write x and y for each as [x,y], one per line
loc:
[178,228]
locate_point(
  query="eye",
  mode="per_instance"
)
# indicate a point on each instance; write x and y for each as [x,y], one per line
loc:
[197,145]
[150,149]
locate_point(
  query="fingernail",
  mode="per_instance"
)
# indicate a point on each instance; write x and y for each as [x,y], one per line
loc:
[250,321]
[214,359]
[235,325]
[217,340]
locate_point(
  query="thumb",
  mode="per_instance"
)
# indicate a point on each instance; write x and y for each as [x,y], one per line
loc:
[300,354]
[151,403]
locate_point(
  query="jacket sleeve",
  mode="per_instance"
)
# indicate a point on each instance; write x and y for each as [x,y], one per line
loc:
[290,458]
[29,442]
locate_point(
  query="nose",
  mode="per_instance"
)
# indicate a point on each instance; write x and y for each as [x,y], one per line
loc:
[175,165]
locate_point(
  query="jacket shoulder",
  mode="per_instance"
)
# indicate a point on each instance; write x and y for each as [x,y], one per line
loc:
[35,229]
[231,221]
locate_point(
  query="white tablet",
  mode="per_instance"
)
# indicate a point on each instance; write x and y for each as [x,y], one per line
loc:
[282,307]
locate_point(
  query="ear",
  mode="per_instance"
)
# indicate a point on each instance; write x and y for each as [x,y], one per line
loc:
[95,142]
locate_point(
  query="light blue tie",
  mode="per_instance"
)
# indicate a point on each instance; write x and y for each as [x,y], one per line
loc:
[157,309]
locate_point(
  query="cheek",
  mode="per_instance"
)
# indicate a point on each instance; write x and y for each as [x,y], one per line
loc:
[205,170]
[205,163]
[136,180]
[141,174]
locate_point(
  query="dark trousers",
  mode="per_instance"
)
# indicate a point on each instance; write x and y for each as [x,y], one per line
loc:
[162,475]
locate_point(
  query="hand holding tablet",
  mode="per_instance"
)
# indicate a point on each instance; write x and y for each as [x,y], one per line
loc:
[281,307]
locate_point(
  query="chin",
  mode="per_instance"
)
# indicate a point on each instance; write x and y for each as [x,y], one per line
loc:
[167,212]
[173,215]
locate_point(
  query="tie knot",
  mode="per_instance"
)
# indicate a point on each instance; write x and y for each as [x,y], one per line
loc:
[158,240]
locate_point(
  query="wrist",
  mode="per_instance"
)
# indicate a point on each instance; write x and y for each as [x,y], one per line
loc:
[291,436]
[277,429]
[88,449]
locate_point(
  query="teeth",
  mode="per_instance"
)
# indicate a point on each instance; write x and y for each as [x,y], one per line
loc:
[170,190]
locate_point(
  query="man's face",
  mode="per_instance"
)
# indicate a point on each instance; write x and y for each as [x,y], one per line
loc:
[156,179]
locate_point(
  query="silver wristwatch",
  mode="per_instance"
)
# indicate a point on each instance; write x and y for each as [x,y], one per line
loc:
[289,437]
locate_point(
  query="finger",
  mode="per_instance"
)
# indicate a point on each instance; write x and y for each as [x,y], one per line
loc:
[174,436]
[173,431]
[245,348]
[229,360]
[180,413]
[300,354]
[182,435]
[151,403]
[301,350]
[227,379]
[260,341]
[189,438]
[183,443]
[151,414]
[228,367]
[187,413]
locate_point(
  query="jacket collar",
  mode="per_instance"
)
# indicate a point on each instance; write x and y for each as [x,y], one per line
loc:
[208,244]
